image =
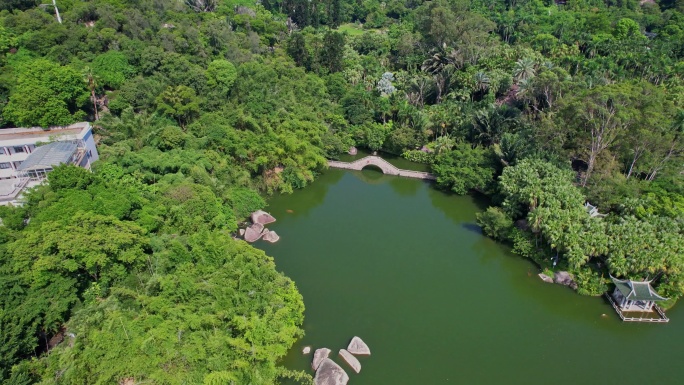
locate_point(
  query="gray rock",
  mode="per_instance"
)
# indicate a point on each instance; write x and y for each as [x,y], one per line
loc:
[306,350]
[253,232]
[329,373]
[358,347]
[564,278]
[262,217]
[319,356]
[270,236]
[545,278]
[352,151]
[242,232]
[351,360]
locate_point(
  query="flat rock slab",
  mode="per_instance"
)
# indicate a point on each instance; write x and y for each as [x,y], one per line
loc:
[545,278]
[358,347]
[329,373]
[319,356]
[270,236]
[262,217]
[351,360]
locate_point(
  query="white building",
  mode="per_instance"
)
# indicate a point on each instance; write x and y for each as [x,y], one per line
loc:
[28,154]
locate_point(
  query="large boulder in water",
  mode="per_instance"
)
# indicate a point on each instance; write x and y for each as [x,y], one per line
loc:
[319,356]
[329,373]
[270,236]
[564,278]
[253,232]
[358,347]
[262,217]
[351,360]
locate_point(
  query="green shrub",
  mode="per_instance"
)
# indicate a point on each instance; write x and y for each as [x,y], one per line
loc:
[495,223]
[419,156]
[589,282]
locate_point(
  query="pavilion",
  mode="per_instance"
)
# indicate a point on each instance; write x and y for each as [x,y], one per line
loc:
[635,295]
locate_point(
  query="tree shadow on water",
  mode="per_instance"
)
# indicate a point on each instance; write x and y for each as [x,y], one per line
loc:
[304,200]
[472,227]
[405,186]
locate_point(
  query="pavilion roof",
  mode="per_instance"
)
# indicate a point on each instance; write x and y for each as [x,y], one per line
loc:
[637,290]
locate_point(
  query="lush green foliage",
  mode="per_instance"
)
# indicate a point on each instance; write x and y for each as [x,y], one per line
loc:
[495,223]
[206,104]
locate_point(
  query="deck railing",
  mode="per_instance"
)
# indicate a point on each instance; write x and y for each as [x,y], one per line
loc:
[660,312]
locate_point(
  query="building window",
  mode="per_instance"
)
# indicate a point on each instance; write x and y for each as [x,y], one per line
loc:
[5,166]
[19,149]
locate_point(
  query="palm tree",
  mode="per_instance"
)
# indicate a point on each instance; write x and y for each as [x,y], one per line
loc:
[444,143]
[482,81]
[524,69]
[438,60]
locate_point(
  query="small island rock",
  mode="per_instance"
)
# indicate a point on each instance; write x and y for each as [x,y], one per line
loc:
[319,356]
[358,347]
[306,350]
[351,360]
[329,373]
[262,217]
[271,236]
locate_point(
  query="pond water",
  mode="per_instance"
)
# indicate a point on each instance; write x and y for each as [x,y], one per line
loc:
[405,267]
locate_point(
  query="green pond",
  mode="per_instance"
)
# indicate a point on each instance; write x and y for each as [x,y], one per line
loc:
[405,267]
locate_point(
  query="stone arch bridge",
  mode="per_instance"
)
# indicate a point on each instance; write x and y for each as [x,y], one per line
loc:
[386,167]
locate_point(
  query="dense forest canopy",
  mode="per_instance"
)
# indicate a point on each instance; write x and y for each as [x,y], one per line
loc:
[202,107]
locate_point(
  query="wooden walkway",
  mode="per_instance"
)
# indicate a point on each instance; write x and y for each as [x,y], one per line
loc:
[386,167]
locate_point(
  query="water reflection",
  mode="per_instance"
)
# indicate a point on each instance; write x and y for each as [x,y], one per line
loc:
[315,194]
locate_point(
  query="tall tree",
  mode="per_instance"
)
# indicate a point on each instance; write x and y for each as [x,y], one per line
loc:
[599,116]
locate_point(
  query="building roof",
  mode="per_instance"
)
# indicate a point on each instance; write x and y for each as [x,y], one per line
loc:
[20,136]
[636,290]
[49,155]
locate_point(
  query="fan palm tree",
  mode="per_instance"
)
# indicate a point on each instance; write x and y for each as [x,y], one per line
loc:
[439,59]
[444,143]
[524,69]
[482,81]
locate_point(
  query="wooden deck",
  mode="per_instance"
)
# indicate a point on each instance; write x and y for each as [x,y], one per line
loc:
[661,313]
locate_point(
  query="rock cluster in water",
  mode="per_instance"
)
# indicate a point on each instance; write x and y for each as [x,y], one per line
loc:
[330,373]
[564,278]
[319,356]
[358,347]
[262,217]
[352,361]
[256,230]
[545,278]
[561,278]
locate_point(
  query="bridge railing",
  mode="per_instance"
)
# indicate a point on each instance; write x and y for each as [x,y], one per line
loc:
[384,165]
